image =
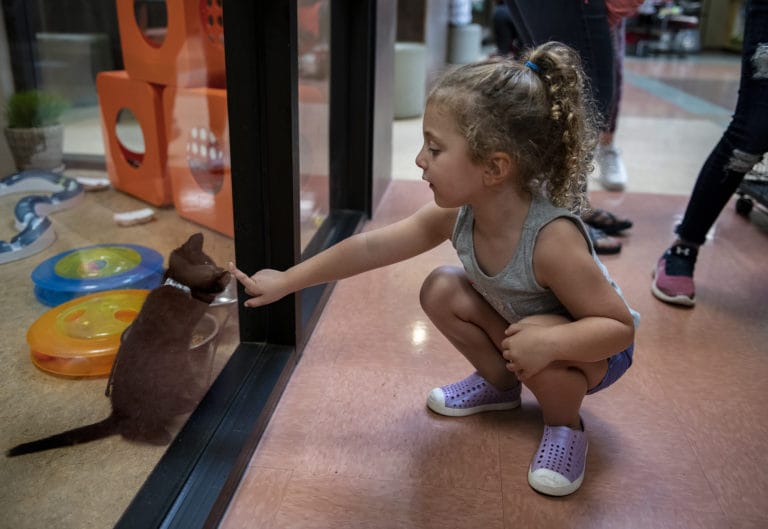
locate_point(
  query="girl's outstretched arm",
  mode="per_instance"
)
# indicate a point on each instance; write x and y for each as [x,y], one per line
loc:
[404,239]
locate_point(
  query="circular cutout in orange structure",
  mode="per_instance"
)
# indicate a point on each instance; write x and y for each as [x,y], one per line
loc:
[80,338]
[152,20]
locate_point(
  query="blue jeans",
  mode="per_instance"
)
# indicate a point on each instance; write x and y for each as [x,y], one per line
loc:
[581,24]
[746,138]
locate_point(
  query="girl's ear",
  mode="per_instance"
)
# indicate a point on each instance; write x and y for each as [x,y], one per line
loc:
[498,168]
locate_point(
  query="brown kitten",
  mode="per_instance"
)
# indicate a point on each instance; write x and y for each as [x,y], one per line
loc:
[154,377]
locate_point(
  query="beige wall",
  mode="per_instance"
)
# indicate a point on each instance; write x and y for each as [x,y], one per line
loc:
[426,21]
[436,38]
[386,25]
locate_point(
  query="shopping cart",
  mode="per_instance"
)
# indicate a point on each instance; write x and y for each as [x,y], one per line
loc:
[753,189]
[662,26]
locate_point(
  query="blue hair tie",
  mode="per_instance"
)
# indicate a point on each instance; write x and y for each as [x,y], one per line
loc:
[532,66]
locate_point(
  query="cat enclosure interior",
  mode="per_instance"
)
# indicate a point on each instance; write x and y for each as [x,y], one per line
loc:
[263,142]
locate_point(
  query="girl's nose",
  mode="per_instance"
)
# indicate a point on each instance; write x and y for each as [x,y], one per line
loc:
[420,159]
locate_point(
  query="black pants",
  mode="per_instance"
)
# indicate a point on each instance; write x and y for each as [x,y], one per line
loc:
[581,24]
[503,30]
[746,138]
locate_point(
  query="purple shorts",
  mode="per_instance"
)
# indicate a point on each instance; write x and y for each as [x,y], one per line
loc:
[617,365]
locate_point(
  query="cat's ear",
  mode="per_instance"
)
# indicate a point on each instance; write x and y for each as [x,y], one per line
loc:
[195,242]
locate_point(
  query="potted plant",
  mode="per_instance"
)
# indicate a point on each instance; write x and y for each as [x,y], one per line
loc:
[34,131]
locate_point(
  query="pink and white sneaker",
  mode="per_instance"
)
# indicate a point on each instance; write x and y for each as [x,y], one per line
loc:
[673,277]
[472,395]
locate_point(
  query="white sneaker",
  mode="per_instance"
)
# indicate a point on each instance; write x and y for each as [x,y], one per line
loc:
[613,174]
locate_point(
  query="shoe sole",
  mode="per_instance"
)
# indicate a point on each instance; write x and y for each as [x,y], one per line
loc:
[556,491]
[438,407]
[612,186]
[607,250]
[681,299]
[610,229]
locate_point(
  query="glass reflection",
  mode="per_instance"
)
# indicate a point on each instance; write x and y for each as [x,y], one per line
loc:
[314,91]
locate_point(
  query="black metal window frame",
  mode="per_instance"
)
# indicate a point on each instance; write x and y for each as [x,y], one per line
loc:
[195,479]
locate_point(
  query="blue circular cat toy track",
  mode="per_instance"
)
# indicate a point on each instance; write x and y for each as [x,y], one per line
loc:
[97,268]
[31,212]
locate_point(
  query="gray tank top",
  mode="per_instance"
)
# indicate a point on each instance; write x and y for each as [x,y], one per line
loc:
[514,292]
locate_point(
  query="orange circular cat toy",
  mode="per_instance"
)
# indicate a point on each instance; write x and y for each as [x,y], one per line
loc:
[80,338]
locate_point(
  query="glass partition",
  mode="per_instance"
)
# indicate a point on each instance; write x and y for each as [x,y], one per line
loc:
[144,87]
[158,147]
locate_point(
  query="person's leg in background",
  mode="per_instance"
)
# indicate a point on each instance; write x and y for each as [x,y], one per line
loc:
[613,174]
[740,148]
[584,27]
[504,31]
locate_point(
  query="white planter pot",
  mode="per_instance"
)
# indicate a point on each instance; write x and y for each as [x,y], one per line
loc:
[37,148]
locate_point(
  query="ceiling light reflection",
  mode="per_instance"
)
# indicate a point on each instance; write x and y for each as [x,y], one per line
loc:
[419,333]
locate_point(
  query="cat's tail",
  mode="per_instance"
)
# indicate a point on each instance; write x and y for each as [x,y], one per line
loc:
[75,436]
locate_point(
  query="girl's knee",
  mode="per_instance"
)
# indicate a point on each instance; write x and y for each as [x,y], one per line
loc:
[559,375]
[440,286]
[550,376]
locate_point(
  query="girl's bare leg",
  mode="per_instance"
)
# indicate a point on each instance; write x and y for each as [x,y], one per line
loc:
[469,322]
[560,387]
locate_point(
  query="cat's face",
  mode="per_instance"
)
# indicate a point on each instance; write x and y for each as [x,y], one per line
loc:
[190,266]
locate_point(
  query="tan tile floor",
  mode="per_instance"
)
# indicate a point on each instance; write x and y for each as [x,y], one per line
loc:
[680,442]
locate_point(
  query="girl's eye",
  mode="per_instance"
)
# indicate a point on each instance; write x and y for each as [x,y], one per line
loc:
[433,151]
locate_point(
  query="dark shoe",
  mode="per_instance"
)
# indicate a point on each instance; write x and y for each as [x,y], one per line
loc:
[673,277]
[603,243]
[606,221]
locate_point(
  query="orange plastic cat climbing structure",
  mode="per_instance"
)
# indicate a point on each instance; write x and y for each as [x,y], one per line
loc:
[141,174]
[188,52]
[175,48]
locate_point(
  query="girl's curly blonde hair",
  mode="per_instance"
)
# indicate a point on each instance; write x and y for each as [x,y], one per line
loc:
[537,110]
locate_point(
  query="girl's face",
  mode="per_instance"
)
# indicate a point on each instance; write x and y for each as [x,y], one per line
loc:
[452,175]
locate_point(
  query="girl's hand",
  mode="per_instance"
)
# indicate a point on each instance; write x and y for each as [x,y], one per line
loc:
[526,349]
[265,285]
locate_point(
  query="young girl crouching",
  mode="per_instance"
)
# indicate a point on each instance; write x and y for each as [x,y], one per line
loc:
[507,150]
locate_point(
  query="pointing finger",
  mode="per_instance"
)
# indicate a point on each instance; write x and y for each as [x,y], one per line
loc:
[239,274]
